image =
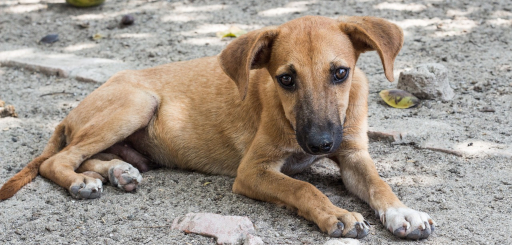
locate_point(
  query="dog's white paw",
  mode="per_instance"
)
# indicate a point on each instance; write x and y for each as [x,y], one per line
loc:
[124,176]
[86,188]
[407,223]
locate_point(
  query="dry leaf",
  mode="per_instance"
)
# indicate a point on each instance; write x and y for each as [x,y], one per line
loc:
[399,98]
[233,31]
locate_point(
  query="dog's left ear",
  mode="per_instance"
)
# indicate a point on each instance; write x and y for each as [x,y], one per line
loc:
[249,51]
[372,33]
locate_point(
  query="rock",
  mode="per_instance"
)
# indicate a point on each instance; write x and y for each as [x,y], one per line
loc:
[253,240]
[388,135]
[227,229]
[62,65]
[342,241]
[427,81]
[7,110]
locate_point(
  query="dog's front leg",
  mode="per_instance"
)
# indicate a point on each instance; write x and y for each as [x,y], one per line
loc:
[259,177]
[361,178]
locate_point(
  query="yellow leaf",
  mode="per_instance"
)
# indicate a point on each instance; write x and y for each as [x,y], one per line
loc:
[206,183]
[233,31]
[84,3]
[97,36]
[398,98]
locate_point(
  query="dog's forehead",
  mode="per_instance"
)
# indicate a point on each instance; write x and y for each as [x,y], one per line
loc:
[314,41]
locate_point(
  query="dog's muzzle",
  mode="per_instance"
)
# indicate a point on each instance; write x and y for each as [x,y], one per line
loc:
[317,142]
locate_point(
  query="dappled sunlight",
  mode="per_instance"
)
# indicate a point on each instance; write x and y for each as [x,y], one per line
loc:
[287,9]
[214,28]
[134,35]
[414,7]
[501,22]
[442,27]
[412,180]
[207,8]
[9,122]
[501,13]
[182,18]
[458,26]
[18,2]
[16,53]
[80,46]
[482,148]
[205,40]
[408,23]
[458,12]
[84,17]
[104,15]
[19,9]
[206,28]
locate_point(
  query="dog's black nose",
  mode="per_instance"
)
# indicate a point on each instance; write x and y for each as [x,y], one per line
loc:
[321,144]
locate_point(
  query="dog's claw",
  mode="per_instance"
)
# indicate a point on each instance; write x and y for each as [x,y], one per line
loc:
[339,231]
[124,176]
[341,226]
[360,230]
[367,223]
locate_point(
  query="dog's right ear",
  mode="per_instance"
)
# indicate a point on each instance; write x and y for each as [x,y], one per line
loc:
[249,51]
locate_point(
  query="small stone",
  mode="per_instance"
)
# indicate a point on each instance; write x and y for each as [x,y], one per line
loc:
[227,229]
[342,241]
[8,111]
[51,38]
[253,240]
[127,20]
[487,109]
[427,81]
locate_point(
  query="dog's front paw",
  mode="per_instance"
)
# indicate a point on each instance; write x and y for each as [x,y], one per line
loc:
[86,188]
[124,176]
[407,223]
[351,225]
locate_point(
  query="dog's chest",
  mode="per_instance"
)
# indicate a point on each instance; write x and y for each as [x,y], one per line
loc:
[296,163]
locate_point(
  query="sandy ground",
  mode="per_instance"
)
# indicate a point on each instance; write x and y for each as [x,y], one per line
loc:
[469,197]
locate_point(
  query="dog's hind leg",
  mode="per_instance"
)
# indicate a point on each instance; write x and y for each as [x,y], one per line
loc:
[128,154]
[107,116]
[109,166]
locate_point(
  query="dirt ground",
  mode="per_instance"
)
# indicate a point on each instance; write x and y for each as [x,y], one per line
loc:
[470,197]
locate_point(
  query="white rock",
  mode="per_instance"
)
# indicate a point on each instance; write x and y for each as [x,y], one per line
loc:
[427,81]
[227,229]
[342,241]
[62,65]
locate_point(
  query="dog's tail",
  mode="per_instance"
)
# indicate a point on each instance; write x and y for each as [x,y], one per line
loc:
[29,172]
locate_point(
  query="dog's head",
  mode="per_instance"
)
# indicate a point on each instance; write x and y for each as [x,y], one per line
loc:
[312,61]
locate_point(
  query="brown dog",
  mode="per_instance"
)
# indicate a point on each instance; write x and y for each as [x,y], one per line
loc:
[297,97]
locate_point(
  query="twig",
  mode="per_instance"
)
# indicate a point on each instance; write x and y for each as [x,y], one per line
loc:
[55,93]
[456,153]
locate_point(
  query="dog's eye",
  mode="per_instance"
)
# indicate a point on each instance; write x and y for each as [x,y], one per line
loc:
[286,81]
[340,75]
